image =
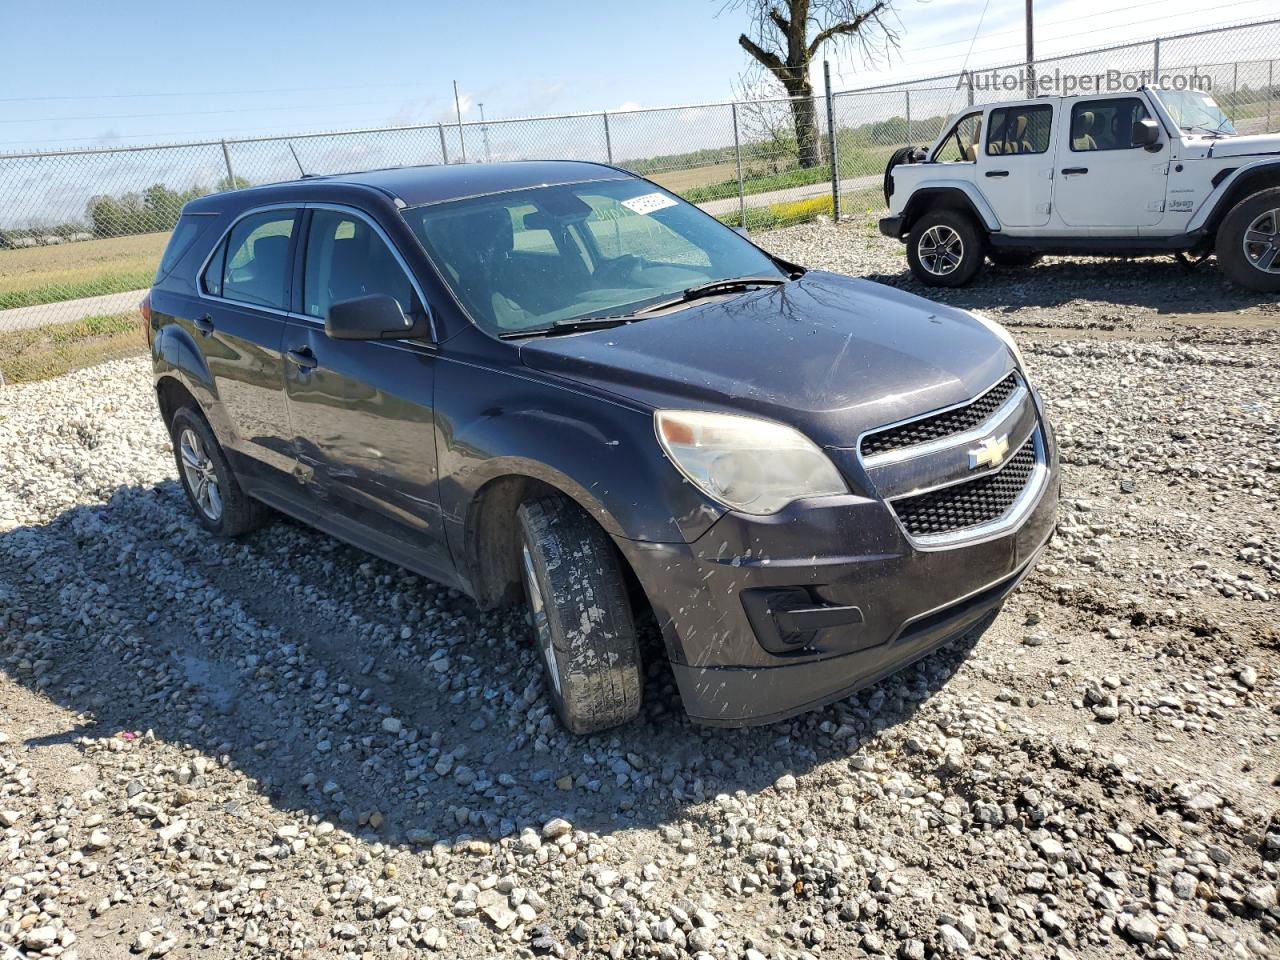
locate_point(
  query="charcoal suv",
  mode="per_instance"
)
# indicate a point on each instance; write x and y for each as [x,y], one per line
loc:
[559,379]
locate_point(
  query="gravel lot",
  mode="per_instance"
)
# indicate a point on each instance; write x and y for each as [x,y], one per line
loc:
[281,747]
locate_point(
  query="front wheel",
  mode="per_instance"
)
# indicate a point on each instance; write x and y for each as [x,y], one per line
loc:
[581,615]
[1248,246]
[945,248]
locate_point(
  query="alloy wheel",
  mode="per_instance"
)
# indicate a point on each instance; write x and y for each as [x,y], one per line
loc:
[538,610]
[941,250]
[1262,242]
[202,479]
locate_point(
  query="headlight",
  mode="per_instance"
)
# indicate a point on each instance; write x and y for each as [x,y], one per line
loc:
[756,466]
[1002,333]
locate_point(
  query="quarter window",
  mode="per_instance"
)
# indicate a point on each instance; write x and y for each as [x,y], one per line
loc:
[1105,124]
[960,145]
[346,258]
[253,266]
[1019,130]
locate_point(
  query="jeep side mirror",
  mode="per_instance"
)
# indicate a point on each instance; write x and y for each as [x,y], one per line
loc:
[373,317]
[1145,132]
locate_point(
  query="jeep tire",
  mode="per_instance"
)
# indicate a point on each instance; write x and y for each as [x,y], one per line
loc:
[1248,245]
[945,248]
[581,615]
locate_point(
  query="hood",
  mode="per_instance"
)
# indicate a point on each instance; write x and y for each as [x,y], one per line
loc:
[1262,143]
[831,355]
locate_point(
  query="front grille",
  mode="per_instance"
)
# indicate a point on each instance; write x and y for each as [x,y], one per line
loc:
[968,504]
[943,424]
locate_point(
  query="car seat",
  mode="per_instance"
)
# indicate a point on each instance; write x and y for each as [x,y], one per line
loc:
[1081,131]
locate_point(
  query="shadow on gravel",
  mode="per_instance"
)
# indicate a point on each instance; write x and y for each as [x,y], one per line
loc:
[1161,284]
[352,691]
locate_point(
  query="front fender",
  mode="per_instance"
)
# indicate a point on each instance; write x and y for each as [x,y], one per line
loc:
[600,452]
[1223,193]
[971,195]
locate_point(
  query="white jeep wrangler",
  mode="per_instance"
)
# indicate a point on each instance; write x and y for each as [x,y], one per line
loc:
[1148,172]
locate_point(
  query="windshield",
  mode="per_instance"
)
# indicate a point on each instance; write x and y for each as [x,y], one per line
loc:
[1196,111]
[526,259]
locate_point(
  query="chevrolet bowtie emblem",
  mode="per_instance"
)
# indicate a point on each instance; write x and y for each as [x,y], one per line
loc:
[989,453]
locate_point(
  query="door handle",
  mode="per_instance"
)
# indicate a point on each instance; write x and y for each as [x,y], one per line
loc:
[303,358]
[997,173]
[1073,171]
[204,325]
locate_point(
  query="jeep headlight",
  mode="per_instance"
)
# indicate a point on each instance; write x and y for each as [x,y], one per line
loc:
[755,466]
[1005,337]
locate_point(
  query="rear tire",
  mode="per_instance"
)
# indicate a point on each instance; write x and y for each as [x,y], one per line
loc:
[1248,246]
[215,495]
[582,619]
[1013,258]
[945,248]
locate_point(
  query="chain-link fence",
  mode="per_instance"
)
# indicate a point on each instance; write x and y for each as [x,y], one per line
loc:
[81,231]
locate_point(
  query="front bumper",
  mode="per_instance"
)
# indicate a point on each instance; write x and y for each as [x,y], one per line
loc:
[896,601]
[891,227]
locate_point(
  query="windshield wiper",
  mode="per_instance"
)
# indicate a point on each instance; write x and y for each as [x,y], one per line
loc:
[1204,128]
[714,288]
[571,325]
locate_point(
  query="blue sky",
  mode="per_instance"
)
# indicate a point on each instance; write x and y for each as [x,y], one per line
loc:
[78,74]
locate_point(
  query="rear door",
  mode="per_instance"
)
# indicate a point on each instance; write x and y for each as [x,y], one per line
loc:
[1016,163]
[364,427]
[1104,183]
[240,324]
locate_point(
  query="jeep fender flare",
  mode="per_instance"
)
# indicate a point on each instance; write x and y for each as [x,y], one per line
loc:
[1247,179]
[950,193]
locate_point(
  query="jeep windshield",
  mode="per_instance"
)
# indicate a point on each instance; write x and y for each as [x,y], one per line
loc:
[571,257]
[1196,112]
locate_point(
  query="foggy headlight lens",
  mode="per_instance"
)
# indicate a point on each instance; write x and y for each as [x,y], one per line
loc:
[756,466]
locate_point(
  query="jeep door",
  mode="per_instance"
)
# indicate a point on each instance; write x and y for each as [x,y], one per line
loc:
[239,323]
[364,427]
[1104,184]
[1016,163]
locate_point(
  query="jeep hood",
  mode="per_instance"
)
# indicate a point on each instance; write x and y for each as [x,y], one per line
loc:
[831,355]
[1262,143]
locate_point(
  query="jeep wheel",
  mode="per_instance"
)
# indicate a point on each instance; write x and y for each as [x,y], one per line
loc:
[1013,258]
[1248,246]
[581,615]
[945,248]
[215,494]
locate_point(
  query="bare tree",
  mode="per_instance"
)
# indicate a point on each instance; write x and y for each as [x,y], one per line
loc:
[786,35]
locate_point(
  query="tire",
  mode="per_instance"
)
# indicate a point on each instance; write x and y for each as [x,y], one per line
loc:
[1013,258]
[213,491]
[1254,216]
[581,616]
[956,238]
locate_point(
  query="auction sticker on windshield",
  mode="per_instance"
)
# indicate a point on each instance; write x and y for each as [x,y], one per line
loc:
[648,202]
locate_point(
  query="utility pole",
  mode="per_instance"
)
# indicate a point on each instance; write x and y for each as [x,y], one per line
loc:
[484,132]
[457,105]
[1031,55]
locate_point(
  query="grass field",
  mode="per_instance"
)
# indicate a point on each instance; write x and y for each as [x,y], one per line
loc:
[44,352]
[70,271]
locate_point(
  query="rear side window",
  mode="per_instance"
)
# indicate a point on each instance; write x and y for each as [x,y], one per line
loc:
[346,258]
[189,227]
[1105,124]
[254,265]
[1018,130]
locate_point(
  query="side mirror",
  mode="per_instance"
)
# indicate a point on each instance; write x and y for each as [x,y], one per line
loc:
[372,317]
[1145,132]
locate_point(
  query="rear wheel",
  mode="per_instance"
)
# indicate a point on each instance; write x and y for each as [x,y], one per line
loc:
[213,490]
[581,616]
[945,248]
[1248,246]
[1012,258]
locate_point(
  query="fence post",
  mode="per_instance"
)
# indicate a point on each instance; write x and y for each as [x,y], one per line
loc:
[1155,70]
[907,94]
[608,141]
[444,150]
[970,80]
[737,154]
[1271,90]
[833,154]
[231,174]
[1235,88]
